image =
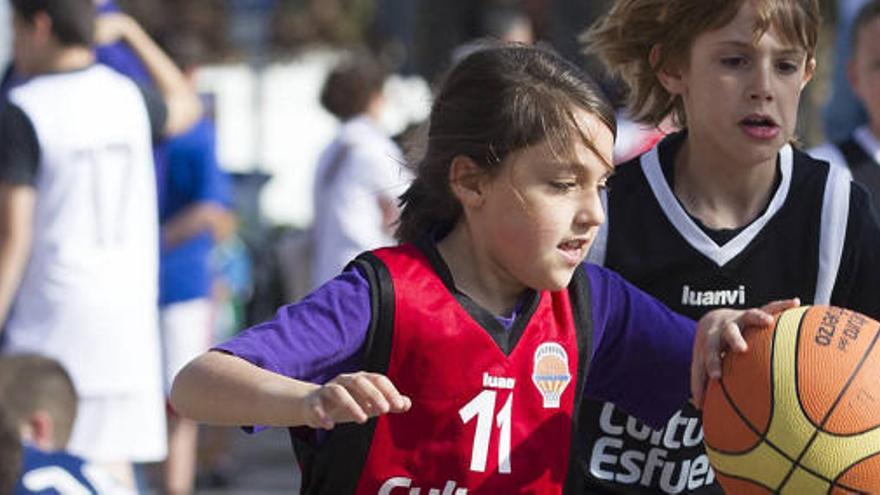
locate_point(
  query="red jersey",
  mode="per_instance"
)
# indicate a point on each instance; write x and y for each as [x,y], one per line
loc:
[493,409]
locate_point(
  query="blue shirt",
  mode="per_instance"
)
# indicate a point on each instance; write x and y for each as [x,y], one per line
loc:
[52,473]
[193,176]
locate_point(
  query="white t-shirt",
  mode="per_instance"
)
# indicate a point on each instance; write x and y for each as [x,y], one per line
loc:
[360,168]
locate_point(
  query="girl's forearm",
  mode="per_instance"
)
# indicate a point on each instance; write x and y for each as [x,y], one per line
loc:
[221,389]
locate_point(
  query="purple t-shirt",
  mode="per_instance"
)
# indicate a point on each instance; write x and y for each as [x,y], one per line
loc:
[641,349]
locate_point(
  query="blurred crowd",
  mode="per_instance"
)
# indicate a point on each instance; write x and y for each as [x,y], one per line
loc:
[107,292]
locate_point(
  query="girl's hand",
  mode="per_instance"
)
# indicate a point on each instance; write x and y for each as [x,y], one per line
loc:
[720,330]
[353,397]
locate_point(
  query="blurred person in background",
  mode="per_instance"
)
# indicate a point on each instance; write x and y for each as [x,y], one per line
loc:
[40,403]
[194,214]
[843,112]
[859,152]
[79,230]
[359,175]
[501,22]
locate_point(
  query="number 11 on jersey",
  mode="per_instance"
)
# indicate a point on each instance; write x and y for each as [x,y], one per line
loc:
[483,408]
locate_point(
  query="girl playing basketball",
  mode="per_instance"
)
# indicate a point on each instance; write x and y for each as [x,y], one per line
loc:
[726,212]
[477,332]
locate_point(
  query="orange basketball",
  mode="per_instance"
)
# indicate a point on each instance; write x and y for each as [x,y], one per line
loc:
[799,412]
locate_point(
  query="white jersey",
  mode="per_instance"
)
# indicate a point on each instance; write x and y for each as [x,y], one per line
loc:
[88,296]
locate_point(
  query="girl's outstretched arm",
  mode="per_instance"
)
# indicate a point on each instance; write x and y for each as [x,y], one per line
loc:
[721,330]
[222,389]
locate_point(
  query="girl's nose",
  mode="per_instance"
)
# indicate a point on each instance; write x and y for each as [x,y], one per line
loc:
[592,211]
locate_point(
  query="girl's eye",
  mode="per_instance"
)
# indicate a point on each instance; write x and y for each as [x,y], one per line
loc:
[734,62]
[563,186]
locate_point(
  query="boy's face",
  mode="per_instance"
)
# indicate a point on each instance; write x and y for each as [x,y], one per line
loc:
[741,97]
[864,71]
[539,215]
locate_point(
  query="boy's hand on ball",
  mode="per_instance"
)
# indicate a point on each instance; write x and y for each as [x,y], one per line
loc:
[354,397]
[720,330]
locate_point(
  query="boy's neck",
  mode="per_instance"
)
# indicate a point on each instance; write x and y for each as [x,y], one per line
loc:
[67,59]
[722,191]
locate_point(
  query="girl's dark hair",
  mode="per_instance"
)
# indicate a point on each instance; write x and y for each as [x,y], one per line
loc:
[352,84]
[498,100]
[73,21]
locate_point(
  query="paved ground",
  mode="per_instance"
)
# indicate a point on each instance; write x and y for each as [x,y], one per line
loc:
[258,464]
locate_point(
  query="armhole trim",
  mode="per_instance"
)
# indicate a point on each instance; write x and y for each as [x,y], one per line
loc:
[580,295]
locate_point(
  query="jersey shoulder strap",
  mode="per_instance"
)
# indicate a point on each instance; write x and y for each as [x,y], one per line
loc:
[335,465]
[580,295]
[832,235]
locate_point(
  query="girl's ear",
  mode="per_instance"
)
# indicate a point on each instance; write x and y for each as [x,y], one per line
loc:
[466,181]
[669,78]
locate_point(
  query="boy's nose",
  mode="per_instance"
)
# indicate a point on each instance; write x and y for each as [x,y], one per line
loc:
[762,86]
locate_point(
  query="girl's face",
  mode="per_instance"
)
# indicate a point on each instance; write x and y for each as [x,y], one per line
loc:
[540,213]
[740,96]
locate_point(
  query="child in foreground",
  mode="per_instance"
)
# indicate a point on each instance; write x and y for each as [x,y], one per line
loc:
[457,360]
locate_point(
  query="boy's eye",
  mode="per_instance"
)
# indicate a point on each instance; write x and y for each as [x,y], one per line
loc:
[787,66]
[734,62]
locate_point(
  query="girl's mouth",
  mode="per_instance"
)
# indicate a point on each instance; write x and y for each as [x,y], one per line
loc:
[574,249]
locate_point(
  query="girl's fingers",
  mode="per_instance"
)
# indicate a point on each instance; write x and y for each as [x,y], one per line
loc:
[374,393]
[340,405]
[322,419]
[397,401]
[361,386]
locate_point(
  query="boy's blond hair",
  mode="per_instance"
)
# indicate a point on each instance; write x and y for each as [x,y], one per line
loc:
[623,40]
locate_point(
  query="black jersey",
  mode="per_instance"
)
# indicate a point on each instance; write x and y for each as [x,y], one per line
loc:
[816,240]
[861,152]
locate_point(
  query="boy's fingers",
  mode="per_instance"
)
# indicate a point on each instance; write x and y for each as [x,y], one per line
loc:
[698,381]
[755,318]
[734,339]
[781,305]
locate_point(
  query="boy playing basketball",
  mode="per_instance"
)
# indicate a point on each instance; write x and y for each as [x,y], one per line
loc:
[726,212]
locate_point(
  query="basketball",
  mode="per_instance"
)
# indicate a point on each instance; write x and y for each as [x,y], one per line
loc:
[799,411]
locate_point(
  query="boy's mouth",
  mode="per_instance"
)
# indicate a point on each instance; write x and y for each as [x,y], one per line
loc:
[759,126]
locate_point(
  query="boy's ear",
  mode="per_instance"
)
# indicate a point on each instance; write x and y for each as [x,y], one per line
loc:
[466,180]
[668,77]
[39,429]
[809,71]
